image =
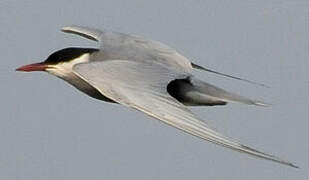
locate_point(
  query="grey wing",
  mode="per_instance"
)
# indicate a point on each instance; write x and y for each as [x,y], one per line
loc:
[124,46]
[143,86]
[116,45]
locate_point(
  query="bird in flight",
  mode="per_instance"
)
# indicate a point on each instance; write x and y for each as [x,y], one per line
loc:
[148,76]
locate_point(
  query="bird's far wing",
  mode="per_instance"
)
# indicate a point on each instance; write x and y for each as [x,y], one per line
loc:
[143,86]
[195,66]
[89,33]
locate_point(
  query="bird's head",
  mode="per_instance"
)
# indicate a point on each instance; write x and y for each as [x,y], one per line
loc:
[61,62]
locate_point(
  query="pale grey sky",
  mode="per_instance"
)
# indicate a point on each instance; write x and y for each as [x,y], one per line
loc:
[51,131]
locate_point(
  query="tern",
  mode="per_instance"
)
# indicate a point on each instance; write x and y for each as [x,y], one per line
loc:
[146,75]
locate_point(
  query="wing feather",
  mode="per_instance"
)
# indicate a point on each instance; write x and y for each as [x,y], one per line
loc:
[89,33]
[115,45]
[143,86]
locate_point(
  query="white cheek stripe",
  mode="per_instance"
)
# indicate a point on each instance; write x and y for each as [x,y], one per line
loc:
[66,68]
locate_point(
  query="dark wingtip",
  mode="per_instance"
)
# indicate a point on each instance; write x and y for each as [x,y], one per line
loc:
[69,29]
[294,166]
[271,157]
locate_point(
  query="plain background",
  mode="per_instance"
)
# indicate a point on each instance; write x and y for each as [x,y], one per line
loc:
[51,131]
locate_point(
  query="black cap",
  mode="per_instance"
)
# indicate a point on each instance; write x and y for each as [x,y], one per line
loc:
[68,54]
